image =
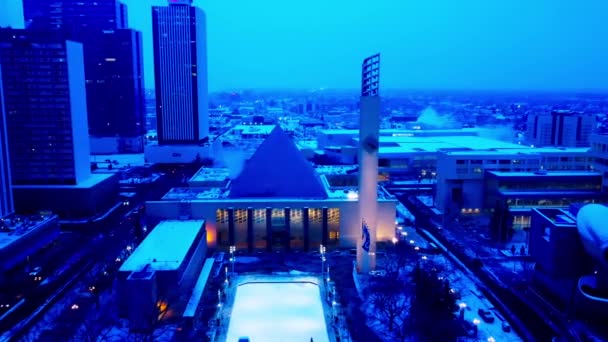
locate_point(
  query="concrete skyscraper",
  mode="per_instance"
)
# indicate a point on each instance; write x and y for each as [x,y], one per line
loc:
[11,14]
[560,128]
[6,191]
[113,67]
[43,78]
[75,15]
[180,62]
[45,104]
[369,133]
[115,90]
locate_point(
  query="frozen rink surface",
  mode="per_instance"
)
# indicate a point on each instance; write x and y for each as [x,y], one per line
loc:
[272,312]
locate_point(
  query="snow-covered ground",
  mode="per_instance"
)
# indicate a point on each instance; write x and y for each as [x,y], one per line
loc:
[278,312]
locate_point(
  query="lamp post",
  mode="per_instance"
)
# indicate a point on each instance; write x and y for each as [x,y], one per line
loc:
[322,251]
[476,322]
[226,273]
[232,258]
[462,307]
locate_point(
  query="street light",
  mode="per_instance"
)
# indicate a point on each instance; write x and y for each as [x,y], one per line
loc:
[462,307]
[476,322]
[322,251]
[491,339]
[394,240]
[232,257]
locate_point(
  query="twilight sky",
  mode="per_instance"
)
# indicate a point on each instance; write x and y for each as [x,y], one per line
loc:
[425,44]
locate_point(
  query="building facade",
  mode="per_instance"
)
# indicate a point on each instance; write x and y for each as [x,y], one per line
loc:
[599,154]
[74,15]
[45,104]
[115,90]
[180,65]
[113,67]
[6,195]
[560,128]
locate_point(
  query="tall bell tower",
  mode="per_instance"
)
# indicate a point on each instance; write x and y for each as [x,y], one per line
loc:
[369,133]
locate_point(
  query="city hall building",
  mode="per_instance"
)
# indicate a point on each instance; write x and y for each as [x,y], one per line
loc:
[278,201]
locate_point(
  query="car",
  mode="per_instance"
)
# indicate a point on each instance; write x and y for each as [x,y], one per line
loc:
[35,273]
[244,339]
[486,315]
[506,327]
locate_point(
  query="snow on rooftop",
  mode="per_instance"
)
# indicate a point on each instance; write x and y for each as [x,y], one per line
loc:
[254,129]
[17,227]
[210,174]
[165,247]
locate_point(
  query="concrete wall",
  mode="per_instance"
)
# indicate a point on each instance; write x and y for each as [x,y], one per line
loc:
[115,145]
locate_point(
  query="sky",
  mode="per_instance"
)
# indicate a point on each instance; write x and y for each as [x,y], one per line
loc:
[424,44]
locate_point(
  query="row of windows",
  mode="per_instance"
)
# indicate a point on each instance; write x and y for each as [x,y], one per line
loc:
[315,216]
[549,185]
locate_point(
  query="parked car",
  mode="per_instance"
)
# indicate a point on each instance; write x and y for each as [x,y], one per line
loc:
[486,315]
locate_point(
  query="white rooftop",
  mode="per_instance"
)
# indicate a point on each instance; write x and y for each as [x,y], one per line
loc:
[254,129]
[210,174]
[469,144]
[165,248]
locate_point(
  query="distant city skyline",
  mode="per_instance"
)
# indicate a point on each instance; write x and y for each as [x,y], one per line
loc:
[437,44]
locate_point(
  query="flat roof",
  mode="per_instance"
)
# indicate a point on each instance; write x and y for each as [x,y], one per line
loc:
[392,131]
[336,169]
[90,182]
[522,150]
[450,144]
[254,129]
[20,226]
[165,247]
[553,214]
[210,174]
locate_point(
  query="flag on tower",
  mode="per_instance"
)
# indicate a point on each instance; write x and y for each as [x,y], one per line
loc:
[365,236]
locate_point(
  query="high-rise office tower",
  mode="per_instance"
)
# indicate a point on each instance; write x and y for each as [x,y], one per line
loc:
[74,15]
[6,192]
[115,89]
[560,128]
[113,67]
[11,14]
[45,105]
[180,62]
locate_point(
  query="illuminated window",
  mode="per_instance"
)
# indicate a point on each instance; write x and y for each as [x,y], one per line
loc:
[240,216]
[221,216]
[315,216]
[259,215]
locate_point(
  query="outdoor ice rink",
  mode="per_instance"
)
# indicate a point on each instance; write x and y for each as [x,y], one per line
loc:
[282,311]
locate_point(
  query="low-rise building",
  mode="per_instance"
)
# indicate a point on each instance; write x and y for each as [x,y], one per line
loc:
[170,257]
[278,201]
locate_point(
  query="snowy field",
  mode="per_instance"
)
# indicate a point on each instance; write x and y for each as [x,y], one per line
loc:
[273,312]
